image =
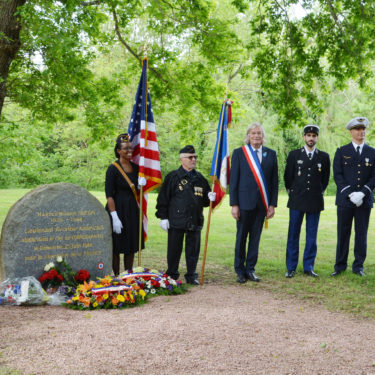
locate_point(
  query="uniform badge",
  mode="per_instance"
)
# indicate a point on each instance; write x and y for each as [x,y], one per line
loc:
[299,161]
[299,172]
[183,182]
[319,167]
[347,157]
[367,160]
[198,191]
[180,187]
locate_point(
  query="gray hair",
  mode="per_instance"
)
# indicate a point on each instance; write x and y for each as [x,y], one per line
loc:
[251,127]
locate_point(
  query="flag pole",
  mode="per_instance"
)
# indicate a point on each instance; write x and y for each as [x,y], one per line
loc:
[141,187]
[213,184]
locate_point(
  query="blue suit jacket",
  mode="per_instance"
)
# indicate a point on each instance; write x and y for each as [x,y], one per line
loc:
[353,173]
[243,188]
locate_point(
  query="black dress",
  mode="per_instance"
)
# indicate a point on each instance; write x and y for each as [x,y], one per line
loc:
[116,187]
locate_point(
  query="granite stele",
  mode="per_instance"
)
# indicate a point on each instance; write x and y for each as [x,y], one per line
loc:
[56,220]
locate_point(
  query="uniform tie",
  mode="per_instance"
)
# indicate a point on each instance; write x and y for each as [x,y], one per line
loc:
[309,155]
[358,152]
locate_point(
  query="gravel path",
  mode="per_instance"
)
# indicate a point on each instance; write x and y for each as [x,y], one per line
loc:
[209,330]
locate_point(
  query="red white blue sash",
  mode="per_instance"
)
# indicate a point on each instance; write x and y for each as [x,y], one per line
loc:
[256,169]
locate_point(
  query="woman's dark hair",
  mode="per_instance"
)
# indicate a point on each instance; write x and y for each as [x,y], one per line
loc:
[121,139]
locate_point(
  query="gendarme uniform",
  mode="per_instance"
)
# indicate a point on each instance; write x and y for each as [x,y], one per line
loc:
[354,171]
[306,177]
[181,200]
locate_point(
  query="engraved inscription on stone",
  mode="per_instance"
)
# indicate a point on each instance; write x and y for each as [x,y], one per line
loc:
[56,220]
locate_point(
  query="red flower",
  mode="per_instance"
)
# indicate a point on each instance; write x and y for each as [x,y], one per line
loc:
[82,275]
[53,273]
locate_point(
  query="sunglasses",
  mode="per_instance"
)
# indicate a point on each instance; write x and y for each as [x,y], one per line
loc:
[191,157]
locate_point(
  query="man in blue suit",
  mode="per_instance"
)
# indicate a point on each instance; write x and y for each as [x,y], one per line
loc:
[253,196]
[354,173]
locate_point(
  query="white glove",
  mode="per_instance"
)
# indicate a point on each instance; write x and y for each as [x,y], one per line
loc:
[164,224]
[142,181]
[211,196]
[116,223]
[356,198]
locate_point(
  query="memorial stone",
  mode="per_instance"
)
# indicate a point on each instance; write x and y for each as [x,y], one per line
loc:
[56,220]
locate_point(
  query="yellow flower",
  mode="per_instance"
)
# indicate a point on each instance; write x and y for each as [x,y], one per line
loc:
[105,296]
[75,298]
[142,293]
[95,304]
[120,298]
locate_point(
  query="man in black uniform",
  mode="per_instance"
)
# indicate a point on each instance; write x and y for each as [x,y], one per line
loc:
[306,177]
[180,204]
[354,173]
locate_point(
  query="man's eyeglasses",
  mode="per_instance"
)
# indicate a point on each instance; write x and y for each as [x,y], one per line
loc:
[191,157]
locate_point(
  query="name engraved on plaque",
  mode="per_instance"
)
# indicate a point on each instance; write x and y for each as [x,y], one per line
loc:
[60,243]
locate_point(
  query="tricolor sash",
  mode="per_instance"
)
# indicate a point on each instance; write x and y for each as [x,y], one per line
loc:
[256,169]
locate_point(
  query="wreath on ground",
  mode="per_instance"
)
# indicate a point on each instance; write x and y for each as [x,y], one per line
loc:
[130,288]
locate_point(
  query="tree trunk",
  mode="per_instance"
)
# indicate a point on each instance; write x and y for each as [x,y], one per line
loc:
[10,26]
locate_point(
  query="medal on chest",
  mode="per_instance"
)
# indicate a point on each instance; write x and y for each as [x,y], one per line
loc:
[319,167]
[198,191]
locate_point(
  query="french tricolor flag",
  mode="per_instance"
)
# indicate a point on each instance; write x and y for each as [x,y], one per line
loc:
[220,168]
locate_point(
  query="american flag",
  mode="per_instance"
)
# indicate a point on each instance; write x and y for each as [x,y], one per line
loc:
[220,168]
[142,133]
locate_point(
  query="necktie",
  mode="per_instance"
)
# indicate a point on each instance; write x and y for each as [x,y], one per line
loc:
[309,155]
[358,153]
[257,155]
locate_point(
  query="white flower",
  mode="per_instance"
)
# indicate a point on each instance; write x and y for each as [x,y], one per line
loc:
[172,281]
[51,265]
[47,267]
[59,259]
[152,291]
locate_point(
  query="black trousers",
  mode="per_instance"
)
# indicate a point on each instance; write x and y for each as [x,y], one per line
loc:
[249,225]
[345,217]
[192,248]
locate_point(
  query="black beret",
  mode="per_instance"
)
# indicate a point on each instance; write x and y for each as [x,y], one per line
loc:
[189,149]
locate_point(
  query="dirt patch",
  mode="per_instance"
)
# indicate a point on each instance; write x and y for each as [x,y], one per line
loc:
[209,330]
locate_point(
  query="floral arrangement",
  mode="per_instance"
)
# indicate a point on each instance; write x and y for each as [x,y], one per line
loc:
[81,276]
[61,275]
[131,288]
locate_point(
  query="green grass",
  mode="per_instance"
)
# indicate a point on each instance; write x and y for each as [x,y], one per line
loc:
[347,292]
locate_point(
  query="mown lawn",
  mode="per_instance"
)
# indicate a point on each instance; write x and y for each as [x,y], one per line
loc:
[348,292]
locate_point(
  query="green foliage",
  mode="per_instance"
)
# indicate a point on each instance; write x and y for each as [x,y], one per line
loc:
[294,57]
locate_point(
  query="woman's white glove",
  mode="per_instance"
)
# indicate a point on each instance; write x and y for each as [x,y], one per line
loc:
[116,223]
[164,224]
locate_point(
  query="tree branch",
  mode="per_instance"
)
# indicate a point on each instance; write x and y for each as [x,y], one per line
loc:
[123,42]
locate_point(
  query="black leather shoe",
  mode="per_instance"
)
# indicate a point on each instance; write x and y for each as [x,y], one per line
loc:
[359,273]
[194,282]
[290,274]
[241,279]
[311,273]
[336,273]
[253,277]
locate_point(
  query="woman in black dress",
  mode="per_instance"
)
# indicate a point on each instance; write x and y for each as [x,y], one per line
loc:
[120,188]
